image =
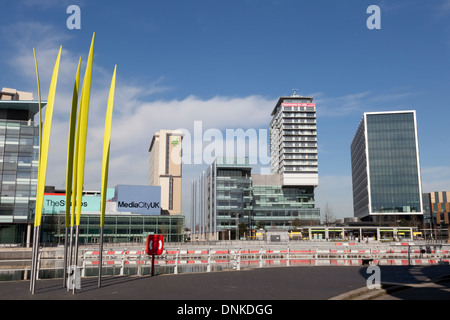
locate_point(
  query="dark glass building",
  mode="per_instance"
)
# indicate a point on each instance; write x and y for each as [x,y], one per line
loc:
[385,166]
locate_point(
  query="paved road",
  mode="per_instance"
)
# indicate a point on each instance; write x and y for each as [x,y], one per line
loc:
[277,283]
[282,283]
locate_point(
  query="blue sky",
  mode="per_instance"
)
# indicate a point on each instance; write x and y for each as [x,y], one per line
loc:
[225,63]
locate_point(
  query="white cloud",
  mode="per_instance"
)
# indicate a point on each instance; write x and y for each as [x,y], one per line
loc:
[132,132]
[133,128]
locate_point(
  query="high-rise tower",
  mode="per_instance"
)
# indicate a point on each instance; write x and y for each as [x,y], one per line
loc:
[385,165]
[293,141]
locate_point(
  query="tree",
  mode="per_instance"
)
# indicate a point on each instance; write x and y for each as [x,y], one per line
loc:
[260,225]
[328,217]
[296,224]
[242,229]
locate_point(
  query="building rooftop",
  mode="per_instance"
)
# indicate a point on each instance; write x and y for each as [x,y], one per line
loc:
[295,96]
[11,99]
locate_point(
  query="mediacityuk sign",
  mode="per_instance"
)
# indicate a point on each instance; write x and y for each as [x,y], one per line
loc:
[138,199]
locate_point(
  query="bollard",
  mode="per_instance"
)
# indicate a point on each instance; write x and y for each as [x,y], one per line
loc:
[122,267]
[288,256]
[260,257]
[175,270]
[238,260]
[208,267]
[139,271]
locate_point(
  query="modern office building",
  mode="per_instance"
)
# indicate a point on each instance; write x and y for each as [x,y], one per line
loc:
[385,167]
[222,199]
[19,152]
[229,202]
[228,195]
[276,206]
[293,141]
[166,168]
[132,212]
[440,207]
[436,210]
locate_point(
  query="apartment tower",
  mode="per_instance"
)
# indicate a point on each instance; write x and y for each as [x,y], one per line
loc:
[293,141]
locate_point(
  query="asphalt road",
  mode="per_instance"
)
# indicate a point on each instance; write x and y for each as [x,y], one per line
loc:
[277,283]
[280,283]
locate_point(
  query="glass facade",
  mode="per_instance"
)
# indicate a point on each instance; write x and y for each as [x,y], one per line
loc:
[385,165]
[226,196]
[229,194]
[278,206]
[117,228]
[427,215]
[19,152]
[393,163]
[120,226]
[359,173]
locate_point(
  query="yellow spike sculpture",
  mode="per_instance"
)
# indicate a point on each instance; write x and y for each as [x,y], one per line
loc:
[81,139]
[106,146]
[71,144]
[70,159]
[105,168]
[42,167]
[84,114]
[33,260]
[39,95]
[76,156]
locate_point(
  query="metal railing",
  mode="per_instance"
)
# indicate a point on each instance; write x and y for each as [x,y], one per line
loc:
[182,259]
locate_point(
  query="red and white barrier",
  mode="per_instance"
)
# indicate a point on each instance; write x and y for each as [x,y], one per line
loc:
[348,254]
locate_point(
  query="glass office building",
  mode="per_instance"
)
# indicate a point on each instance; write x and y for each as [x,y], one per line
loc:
[117,228]
[122,223]
[385,166]
[227,196]
[222,199]
[277,207]
[19,150]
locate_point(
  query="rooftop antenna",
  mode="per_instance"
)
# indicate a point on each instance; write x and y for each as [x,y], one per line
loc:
[295,93]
